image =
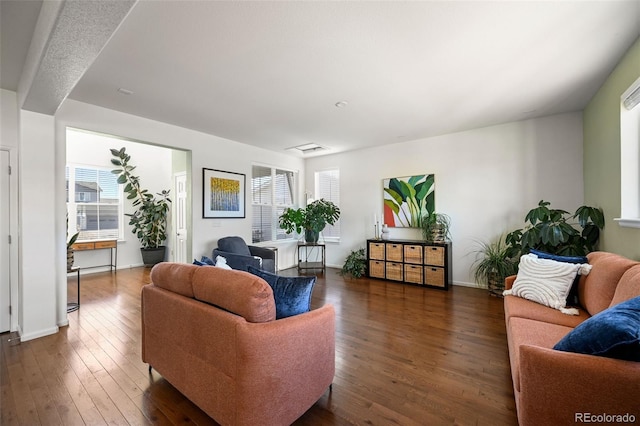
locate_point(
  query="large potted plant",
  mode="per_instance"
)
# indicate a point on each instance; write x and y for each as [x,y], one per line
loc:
[558,231]
[493,264]
[149,220]
[311,219]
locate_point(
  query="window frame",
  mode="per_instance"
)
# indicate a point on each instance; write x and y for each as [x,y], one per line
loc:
[273,204]
[318,195]
[72,204]
[629,161]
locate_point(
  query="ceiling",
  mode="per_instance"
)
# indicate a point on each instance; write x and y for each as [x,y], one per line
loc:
[270,73]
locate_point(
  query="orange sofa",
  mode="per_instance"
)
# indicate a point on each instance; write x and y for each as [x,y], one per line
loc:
[553,387]
[212,334]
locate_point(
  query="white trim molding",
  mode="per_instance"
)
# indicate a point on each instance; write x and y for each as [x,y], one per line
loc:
[628,222]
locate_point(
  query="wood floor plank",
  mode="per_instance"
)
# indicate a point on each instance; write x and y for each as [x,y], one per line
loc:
[405,355]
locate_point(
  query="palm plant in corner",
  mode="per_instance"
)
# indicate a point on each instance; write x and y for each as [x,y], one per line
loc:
[149,220]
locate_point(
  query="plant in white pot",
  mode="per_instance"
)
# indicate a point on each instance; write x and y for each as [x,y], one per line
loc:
[149,220]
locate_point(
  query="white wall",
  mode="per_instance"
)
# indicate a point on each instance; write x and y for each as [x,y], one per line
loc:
[9,141]
[41,255]
[153,166]
[485,179]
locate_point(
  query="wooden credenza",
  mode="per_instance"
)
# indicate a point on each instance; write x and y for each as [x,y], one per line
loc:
[112,245]
[410,261]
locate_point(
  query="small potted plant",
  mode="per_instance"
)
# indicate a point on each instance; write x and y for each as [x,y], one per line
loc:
[493,264]
[70,242]
[149,220]
[311,219]
[355,265]
[435,227]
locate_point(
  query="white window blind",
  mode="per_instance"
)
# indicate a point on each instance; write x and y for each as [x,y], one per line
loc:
[94,203]
[272,191]
[327,186]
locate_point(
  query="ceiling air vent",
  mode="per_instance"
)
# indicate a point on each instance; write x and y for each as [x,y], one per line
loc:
[308,148]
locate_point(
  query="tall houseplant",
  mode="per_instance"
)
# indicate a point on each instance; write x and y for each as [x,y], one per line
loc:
[311,219]
[149,220]
[558,231]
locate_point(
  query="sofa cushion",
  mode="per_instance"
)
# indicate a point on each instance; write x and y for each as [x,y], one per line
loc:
[613,333]
[524,331]
[523,308]
[175,277]
[628,287]
[234,245]
[596,290]
[546,281]
[572,297]
[238,292]
[292,294]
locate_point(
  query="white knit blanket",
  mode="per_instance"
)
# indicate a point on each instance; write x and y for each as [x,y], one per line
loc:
[546,281]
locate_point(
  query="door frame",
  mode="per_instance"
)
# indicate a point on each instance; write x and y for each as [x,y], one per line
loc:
[14,269]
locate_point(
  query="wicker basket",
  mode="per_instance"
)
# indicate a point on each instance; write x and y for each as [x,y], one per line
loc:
[376,251]
[413,274]
[413,254]
[394,252]
[376,269]
[394,271]
[434,255]
[434,276]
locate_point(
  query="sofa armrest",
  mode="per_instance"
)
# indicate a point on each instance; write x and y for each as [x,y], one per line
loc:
[290,359]
[262,252]
[557,387]
[508,282]
[237,261]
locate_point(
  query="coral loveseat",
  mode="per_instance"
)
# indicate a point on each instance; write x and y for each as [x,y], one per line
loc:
[212,334]
[555,387]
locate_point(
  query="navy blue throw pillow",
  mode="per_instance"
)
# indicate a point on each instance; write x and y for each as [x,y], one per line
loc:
[558,258]
[204,261]
[612,333]
[292,294]
[572,297]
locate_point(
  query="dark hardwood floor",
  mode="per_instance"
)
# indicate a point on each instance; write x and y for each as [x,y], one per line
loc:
[405,355]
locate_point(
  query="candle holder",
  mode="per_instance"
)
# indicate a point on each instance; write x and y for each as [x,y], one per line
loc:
[376,234]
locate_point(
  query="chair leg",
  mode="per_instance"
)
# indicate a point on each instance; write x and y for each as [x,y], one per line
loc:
[331,388]
[150,368]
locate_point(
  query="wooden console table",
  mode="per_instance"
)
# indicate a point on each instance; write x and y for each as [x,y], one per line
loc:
[112,245]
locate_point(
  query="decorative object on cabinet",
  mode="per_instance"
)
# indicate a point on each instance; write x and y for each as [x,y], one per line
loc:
[407,199]
[307,259]
[311,219]
[223,194]
[149,220]
[493,264]
[355,265]
[411,261]
[435,227]
[385,232]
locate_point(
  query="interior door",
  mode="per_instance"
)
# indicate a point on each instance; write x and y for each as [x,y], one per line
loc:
[181,218]
[5,258]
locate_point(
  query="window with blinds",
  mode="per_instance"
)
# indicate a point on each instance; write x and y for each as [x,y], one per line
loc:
[629,159]
[94,203]
[327,186]
[272,191]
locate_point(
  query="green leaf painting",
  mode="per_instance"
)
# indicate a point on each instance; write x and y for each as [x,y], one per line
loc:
[408,199]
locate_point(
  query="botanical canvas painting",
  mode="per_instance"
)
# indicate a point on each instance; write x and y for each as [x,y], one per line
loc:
[408,199]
